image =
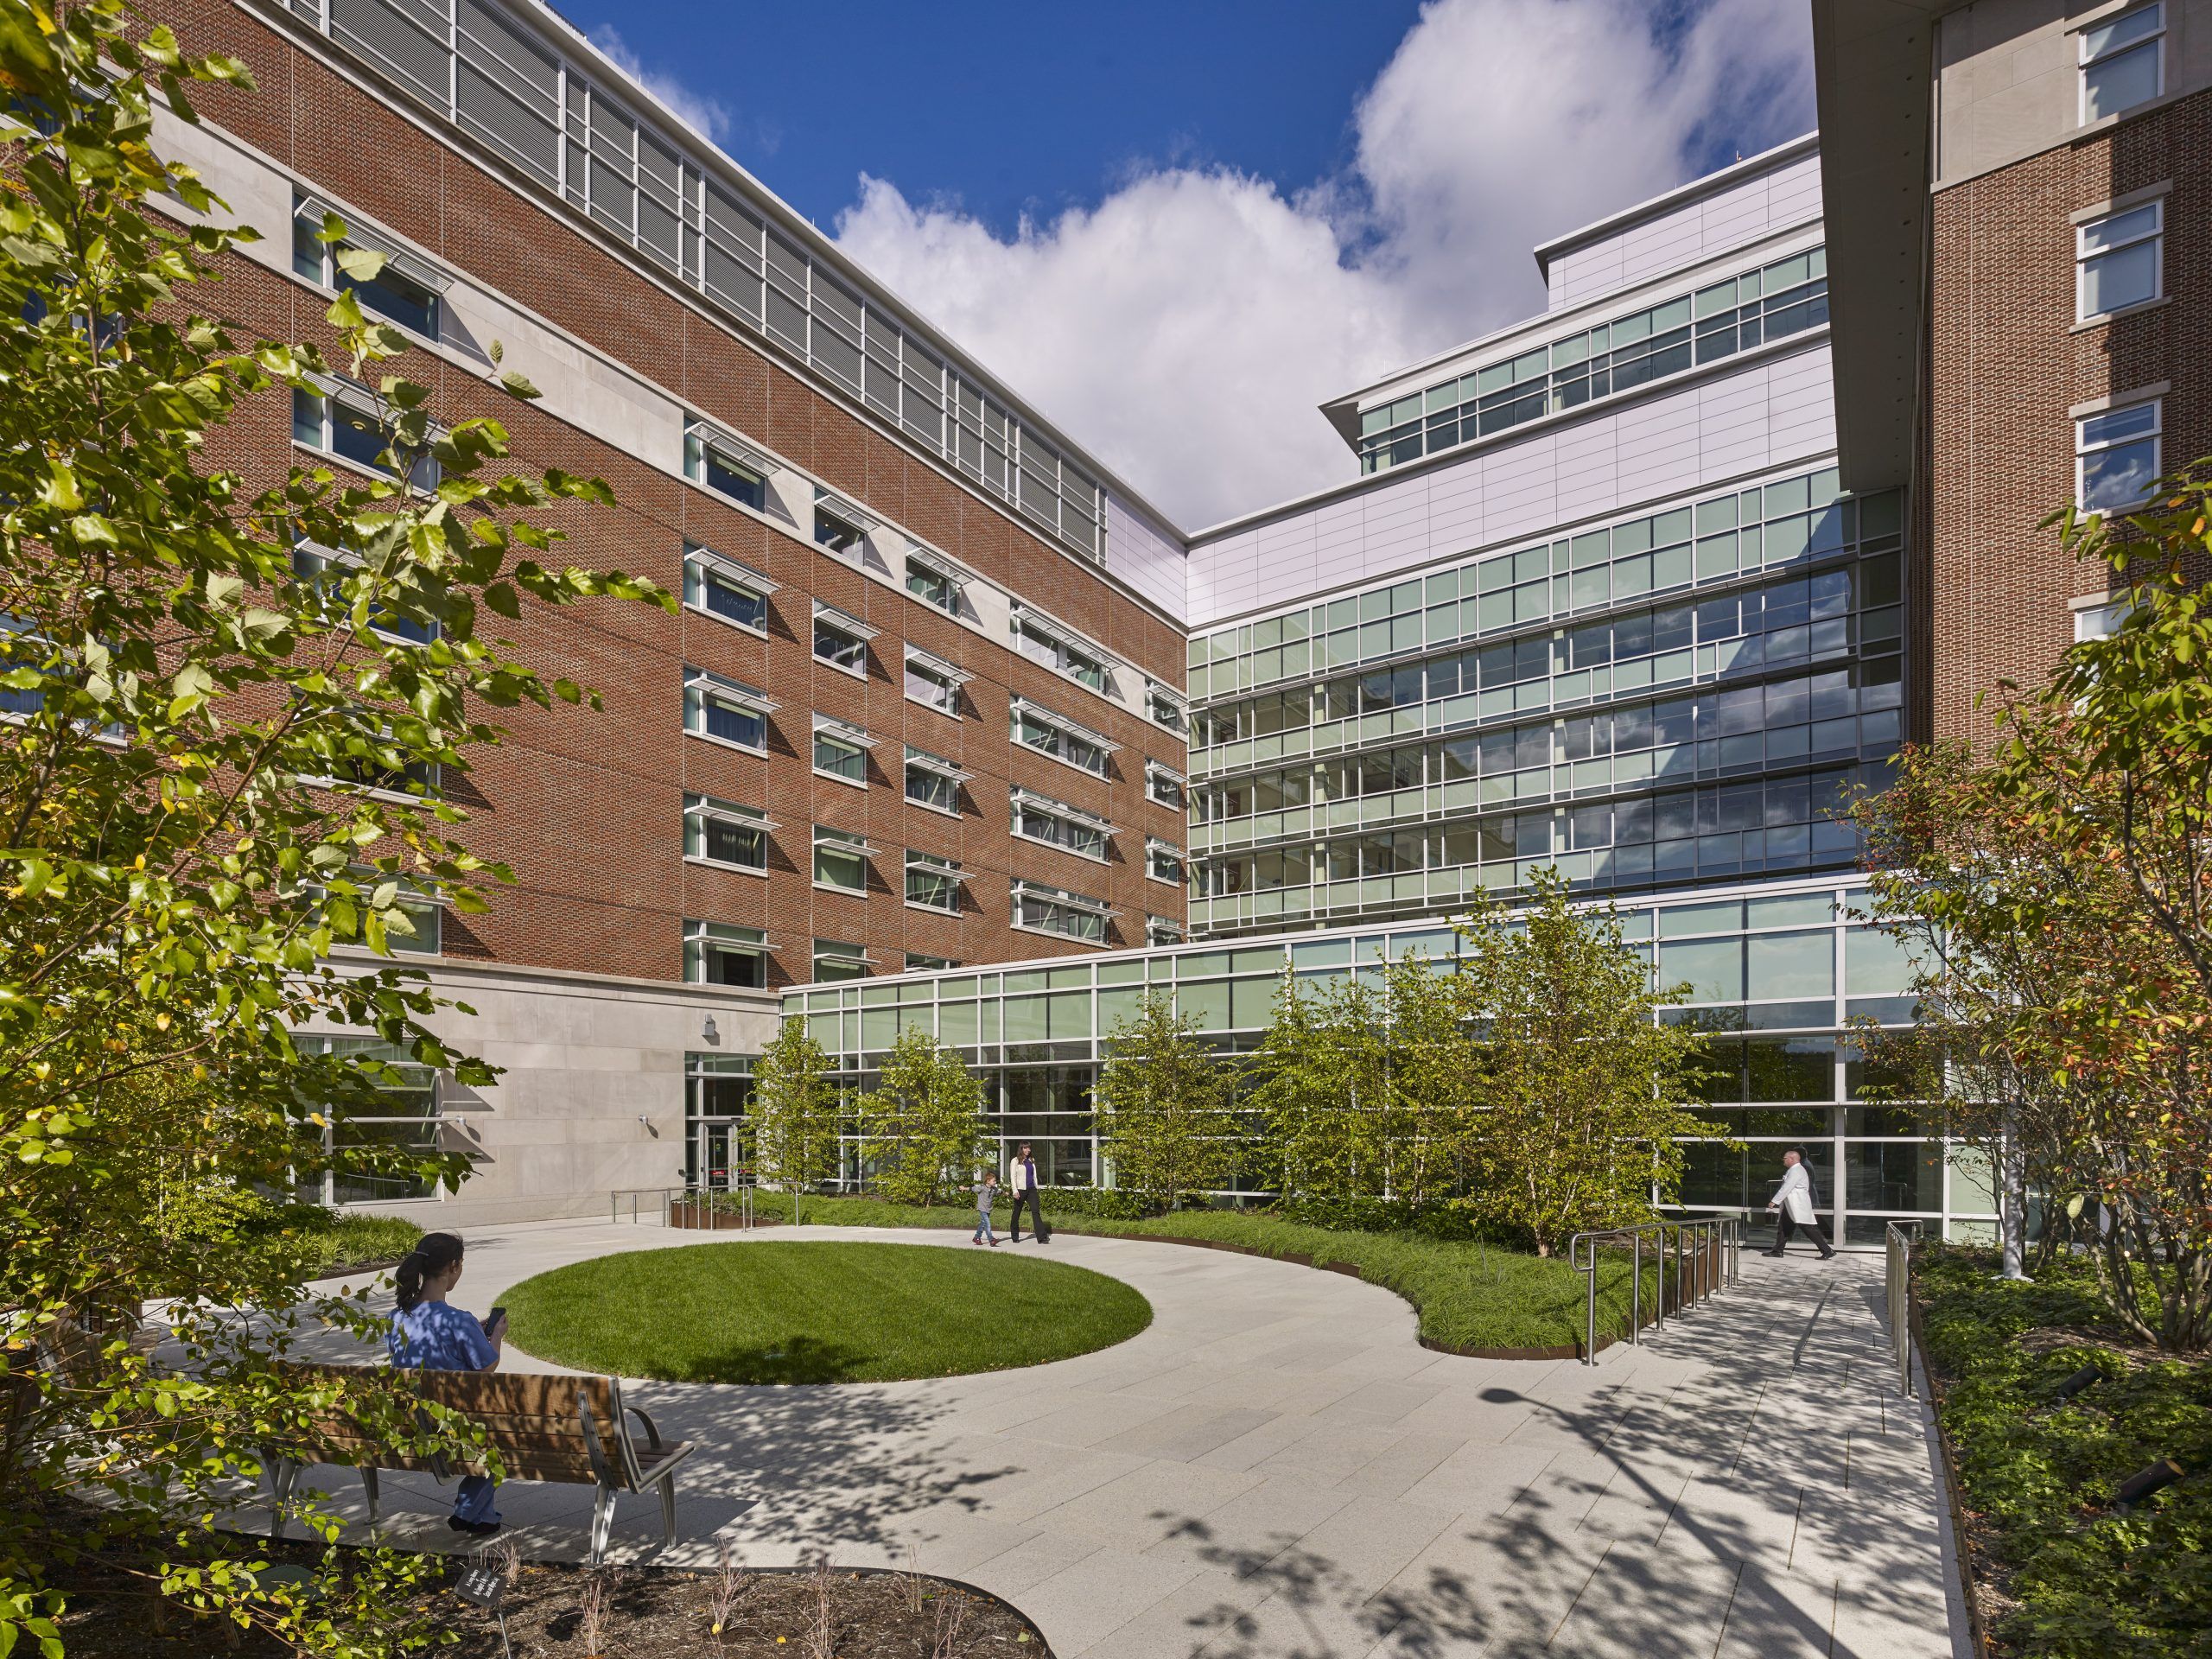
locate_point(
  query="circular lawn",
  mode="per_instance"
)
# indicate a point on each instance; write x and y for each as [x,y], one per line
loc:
[818,1313]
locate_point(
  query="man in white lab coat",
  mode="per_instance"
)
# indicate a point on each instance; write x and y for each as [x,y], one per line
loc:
[1792,1206]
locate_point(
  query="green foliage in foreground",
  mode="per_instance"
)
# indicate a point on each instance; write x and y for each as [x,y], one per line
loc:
[1468,1294]
[2090,1584]
[794,1310]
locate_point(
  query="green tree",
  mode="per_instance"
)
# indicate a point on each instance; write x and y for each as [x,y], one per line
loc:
[1583,1091]
[922,1125]
[797,1115]
[1429,1109]
[1163,1108]
[1304,1089]
[2055,883]
[184,827]
[1362,1081]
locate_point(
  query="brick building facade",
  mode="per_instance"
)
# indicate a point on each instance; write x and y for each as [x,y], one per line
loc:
[851,571]
[2018,200]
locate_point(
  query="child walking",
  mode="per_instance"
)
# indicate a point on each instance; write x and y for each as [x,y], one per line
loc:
[986,1189]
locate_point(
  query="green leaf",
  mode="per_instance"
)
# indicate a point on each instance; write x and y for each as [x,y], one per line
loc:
[362,264]
[60,491]
[346,312]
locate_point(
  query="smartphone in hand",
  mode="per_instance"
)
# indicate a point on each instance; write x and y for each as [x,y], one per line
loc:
[495,1322]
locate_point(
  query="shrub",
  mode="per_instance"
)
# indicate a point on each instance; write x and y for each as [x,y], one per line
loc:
[2038,1476]
[1353,1213]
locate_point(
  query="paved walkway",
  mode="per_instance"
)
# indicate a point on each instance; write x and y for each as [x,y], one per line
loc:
[1276,1467]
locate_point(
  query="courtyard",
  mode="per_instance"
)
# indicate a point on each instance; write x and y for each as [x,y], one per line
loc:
[1274,1466]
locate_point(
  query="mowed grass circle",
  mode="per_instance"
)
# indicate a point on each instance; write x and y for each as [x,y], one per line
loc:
[818,1313]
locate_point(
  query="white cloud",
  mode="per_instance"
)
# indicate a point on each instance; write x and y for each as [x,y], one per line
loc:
[1185,327]
[708,116]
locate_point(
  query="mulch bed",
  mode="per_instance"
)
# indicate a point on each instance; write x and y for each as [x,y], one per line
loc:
[642,1613]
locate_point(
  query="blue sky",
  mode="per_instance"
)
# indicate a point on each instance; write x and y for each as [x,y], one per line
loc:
[1011,107]
[1175,229]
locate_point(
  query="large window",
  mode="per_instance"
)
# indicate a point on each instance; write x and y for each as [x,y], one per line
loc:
[2123,62]
[1162,930]
[2116,457]
[933,682]
[2099,621]
[1038,728]
[725,466]
[840,750]
[717,954]
[722,588]
[840,860]
[724,833]
[344,424]
[839,959]
[327,572]
[841,640]
[2117,261]
[933,781]
[403,1123]
[405,290]
[1163,785]
[933,883]
[1055,823]
[935,581]
[1043,640]
[1038,909]
[725,711]
[837,528]
[1163,860]
[1164,706]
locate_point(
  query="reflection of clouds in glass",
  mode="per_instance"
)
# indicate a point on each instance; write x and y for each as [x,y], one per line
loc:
[2118,477]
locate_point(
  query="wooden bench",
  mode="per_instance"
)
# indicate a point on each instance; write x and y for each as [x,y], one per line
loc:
[572,1430]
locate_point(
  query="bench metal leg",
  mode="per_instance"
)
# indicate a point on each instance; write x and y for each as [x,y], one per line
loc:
[602,1521]
[668,1509]
[369,1485]
[283,1474]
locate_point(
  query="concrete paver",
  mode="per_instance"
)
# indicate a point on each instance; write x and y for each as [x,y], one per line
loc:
[1276,1467]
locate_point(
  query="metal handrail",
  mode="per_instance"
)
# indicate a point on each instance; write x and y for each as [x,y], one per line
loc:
[1897,1240]
[1707,1253]
[665,1198]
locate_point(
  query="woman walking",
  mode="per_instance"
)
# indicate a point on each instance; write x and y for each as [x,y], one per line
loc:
[428,1333]
[986,1189]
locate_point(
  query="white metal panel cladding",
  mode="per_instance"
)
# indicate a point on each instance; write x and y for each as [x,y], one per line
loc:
[503,78]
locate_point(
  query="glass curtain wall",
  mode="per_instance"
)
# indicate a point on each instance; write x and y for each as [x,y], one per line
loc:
[1680,696]
[1776,971]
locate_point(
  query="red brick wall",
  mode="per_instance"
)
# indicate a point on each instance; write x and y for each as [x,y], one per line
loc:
[588,807]
[2005,364]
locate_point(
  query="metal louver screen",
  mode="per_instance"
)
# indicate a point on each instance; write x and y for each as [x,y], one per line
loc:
[786,319]
[732,283]
[508,92]
[657,230]
[406,39]
[837,356]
